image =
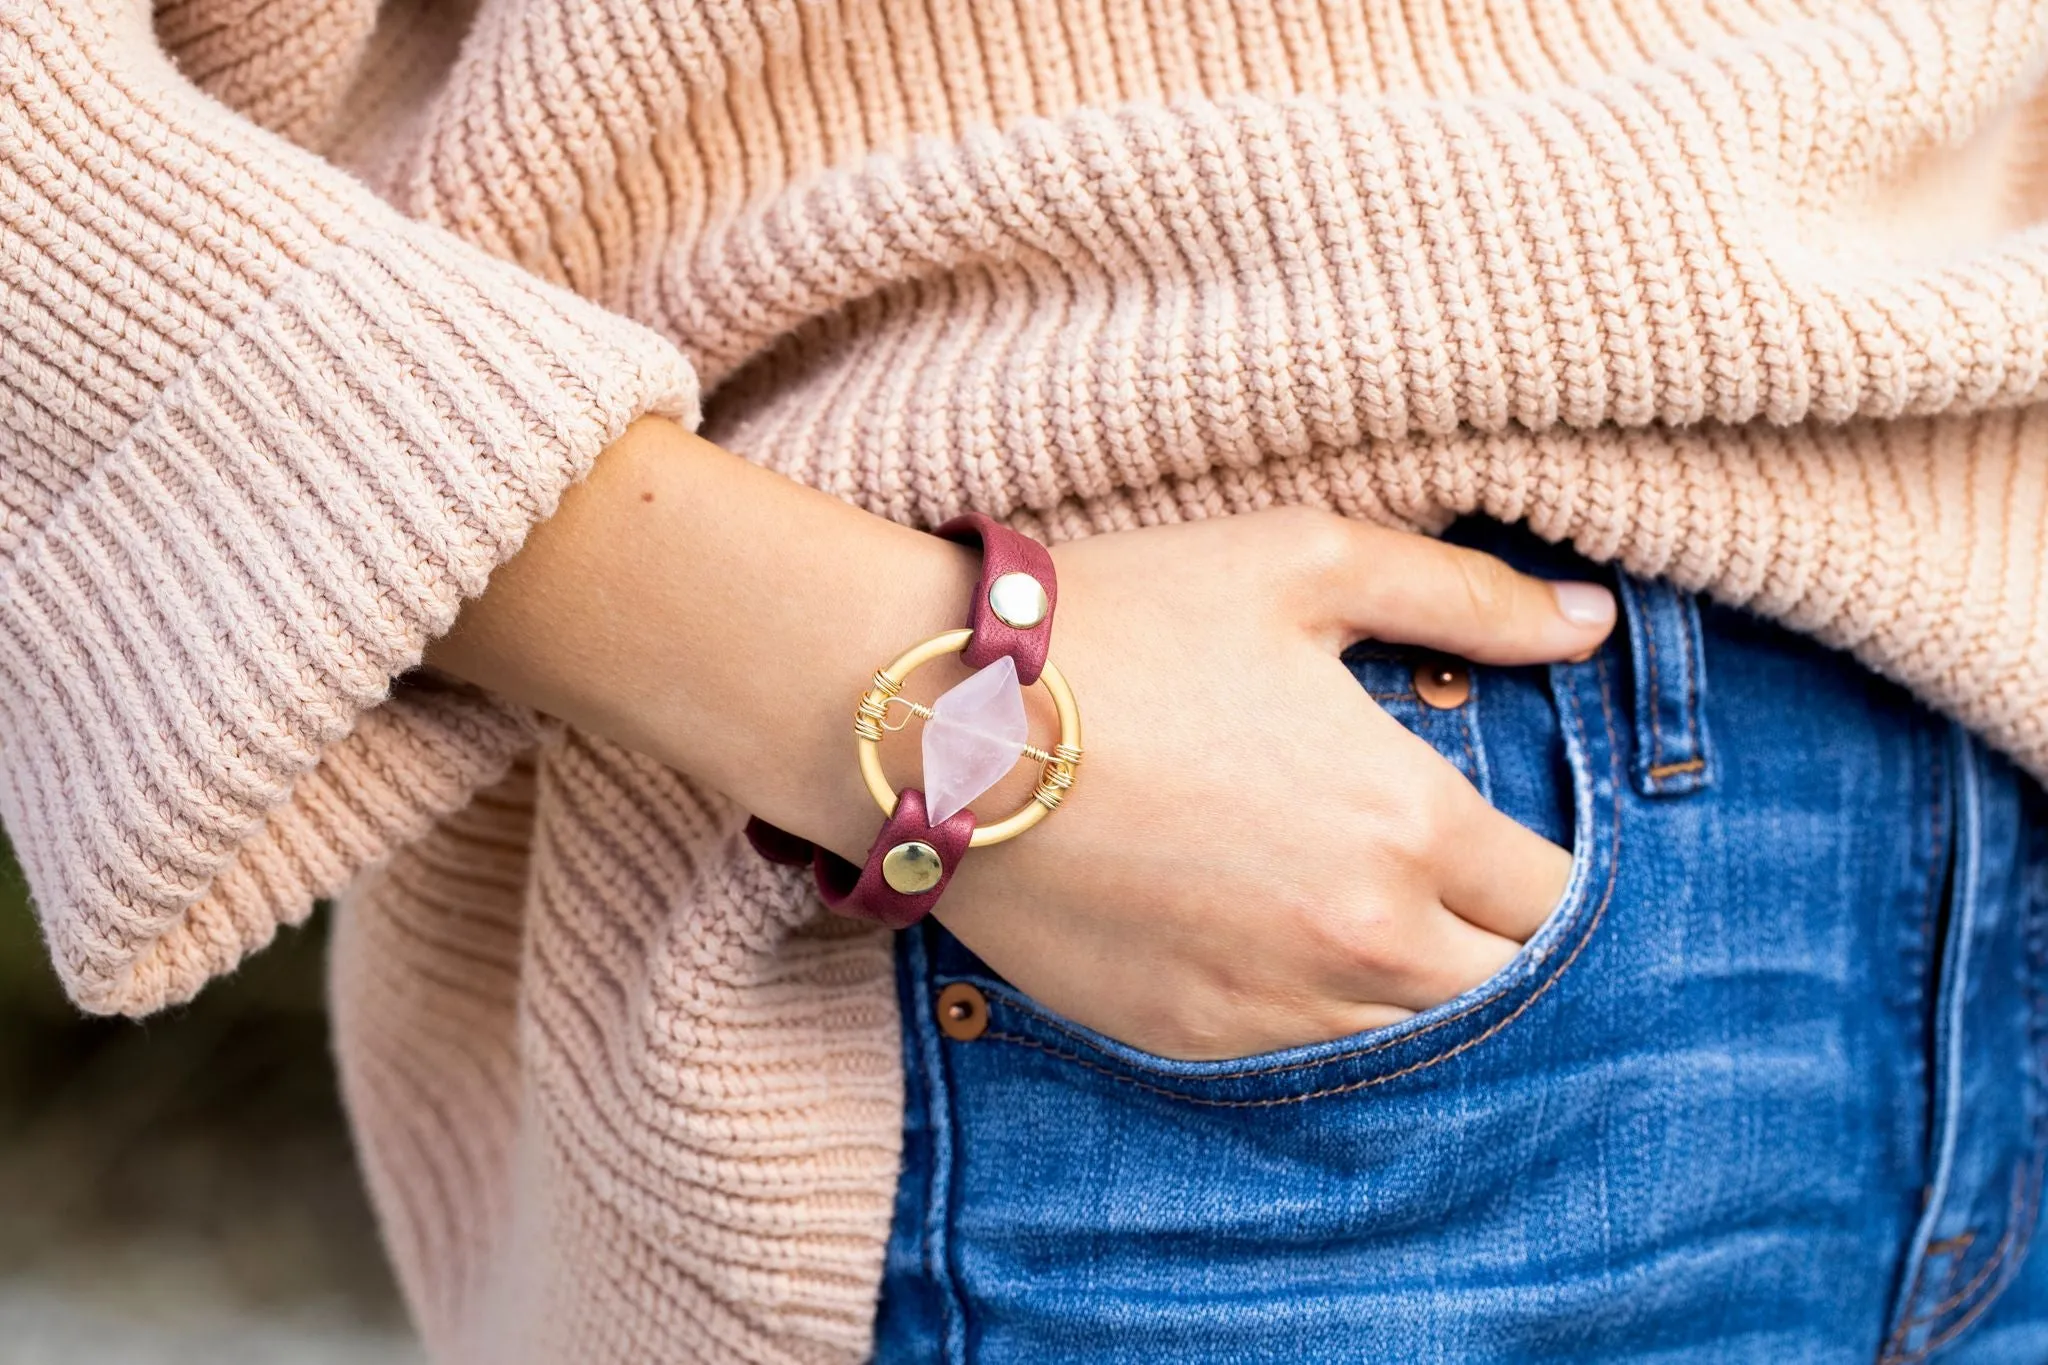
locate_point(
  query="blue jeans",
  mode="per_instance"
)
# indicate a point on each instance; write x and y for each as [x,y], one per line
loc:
[1767,1087]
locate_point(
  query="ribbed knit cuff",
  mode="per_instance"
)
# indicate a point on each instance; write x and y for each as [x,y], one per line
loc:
[192,637]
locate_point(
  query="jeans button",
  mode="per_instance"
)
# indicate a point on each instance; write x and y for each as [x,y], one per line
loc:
[1442,683]
[963,1012]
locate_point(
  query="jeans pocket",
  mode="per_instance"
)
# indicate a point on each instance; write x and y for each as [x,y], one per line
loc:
[1585,727]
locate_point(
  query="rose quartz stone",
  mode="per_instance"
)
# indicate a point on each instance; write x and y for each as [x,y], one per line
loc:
[976,734]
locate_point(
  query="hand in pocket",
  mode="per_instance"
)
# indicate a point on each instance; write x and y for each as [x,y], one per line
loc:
[1258,856]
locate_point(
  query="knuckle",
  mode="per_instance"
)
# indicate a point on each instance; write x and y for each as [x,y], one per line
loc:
[1490,586]
[1414,829]
[1363,945]
[1321,541]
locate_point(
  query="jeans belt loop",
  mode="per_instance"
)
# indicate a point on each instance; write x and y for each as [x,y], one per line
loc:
[1674,754]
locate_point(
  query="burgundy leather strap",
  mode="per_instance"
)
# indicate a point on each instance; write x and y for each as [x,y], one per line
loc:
[863,893]
[1004,551]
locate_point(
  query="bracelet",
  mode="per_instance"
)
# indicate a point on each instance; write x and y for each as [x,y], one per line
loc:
[974,734]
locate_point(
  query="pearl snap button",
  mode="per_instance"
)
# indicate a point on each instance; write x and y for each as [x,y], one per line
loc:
[1018,600]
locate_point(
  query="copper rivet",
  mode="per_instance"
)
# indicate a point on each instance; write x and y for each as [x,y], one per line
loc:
[1443,685]
[963,1012]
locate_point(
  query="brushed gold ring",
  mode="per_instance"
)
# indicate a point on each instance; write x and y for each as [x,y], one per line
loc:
[1057,766]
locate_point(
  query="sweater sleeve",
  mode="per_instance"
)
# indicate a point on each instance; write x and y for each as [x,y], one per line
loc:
[260,435]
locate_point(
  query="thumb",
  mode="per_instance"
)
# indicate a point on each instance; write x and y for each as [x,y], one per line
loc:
[1411,589]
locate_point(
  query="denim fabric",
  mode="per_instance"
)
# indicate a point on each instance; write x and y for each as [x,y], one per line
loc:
[1767,1086]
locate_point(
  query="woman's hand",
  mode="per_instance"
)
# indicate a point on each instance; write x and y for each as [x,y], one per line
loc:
[1255,855]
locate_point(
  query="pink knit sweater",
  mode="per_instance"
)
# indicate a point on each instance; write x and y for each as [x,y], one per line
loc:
[293,354]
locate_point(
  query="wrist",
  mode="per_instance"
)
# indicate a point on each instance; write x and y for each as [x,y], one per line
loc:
[793,760]
[716,617]
[974,732]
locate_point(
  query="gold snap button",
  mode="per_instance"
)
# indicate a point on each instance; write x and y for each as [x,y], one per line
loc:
[1442,684]
[963,1012]
[912,868]
[1018,600]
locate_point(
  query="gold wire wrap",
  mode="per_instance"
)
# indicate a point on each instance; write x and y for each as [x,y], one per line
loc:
[1057,776]
[1056,772]
[869,718]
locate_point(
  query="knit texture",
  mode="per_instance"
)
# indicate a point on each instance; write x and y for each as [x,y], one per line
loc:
[313,308]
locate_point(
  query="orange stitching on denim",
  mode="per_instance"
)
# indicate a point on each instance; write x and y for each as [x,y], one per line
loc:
[2016,1224]
[1024,1006]
[2018,1235]
[1953,1296]
[1658,769]
[2006,1243]
[1953,1248]
[1599,912]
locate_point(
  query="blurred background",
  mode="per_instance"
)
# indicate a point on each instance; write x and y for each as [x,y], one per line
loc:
[181,1190]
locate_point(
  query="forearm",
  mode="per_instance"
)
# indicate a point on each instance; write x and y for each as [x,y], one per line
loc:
[714,616]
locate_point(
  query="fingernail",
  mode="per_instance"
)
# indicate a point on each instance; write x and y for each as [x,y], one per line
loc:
[1584,604]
